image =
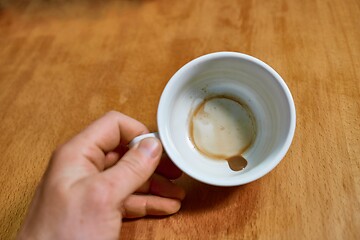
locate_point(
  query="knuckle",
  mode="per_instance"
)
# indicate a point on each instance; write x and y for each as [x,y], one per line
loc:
[56,158]
[57,152]
[62,152]
[113,113]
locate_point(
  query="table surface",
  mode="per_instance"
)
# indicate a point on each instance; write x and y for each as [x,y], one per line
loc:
[65,63]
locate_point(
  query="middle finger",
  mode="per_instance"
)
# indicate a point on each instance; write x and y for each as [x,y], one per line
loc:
[161,186]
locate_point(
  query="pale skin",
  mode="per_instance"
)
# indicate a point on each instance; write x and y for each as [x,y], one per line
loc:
[93,182]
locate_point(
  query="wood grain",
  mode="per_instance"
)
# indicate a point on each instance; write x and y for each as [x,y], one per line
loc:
[65,63]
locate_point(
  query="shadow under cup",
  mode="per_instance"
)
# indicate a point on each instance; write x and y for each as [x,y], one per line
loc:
[240,77]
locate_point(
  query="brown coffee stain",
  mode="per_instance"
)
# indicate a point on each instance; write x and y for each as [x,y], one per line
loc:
[237,162]
[198,108]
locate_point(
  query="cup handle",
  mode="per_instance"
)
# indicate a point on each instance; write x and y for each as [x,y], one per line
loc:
[141,137]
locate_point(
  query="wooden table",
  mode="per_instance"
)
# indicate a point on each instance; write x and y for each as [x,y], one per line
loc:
[64,64]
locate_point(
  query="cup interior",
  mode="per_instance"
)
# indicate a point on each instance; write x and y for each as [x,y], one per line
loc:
[241,77]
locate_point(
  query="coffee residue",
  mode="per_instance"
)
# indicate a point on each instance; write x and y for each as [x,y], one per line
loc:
[223,128]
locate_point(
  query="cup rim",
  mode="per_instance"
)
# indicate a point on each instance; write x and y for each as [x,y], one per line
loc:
[223,182]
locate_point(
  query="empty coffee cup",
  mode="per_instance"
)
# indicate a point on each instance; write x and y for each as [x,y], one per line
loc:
[226,119]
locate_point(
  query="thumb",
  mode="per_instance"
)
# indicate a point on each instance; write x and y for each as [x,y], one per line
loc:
[135,167]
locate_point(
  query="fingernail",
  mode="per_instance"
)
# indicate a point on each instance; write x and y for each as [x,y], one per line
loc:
[150,147]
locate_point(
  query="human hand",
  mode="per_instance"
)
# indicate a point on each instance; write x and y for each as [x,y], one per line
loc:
[92,182]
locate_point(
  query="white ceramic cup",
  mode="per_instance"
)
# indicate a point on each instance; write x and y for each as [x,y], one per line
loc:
[231,74]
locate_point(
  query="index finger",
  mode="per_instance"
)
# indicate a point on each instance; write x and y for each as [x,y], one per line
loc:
[110,130]
[100,137]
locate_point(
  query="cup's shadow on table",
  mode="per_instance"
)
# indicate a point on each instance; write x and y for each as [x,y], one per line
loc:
[202,197]
[213,206]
